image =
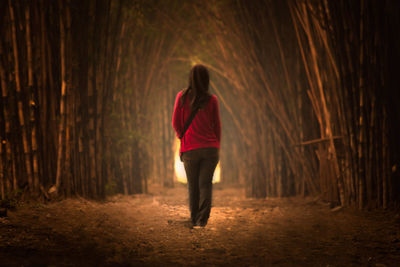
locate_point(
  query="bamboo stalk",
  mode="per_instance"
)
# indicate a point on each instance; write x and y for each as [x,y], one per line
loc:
[70,103]
[2,174]
[327,122]
[61,126]
[32,104]
[22,125]
[4,142]
[319,140]
[91,104]
[11,183]
[361,124]
[385,161]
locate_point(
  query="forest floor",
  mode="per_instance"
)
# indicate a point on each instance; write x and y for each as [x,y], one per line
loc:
[153,230]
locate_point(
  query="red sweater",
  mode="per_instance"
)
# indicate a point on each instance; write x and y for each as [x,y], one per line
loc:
[205,129]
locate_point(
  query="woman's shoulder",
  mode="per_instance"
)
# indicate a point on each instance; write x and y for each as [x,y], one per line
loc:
[214,98]
[179,94]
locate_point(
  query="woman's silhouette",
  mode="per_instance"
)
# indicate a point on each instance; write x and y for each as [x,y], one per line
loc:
[200,144]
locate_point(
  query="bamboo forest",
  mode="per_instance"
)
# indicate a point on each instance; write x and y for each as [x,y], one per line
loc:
[309,158]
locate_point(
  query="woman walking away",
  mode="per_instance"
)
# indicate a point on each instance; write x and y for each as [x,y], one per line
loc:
[197,123]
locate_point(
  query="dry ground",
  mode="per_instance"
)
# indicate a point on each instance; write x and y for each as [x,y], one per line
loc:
[153,230]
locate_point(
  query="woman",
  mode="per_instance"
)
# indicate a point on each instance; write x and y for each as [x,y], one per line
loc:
[200,143]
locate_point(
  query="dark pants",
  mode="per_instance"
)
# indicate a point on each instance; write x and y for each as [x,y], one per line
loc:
[199,166]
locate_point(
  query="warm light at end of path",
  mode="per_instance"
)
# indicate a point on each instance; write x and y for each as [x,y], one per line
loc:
[180,173]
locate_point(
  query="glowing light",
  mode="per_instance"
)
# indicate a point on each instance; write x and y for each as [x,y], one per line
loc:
[180,173]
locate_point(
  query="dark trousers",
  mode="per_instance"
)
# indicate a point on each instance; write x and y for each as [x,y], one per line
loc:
[199,166]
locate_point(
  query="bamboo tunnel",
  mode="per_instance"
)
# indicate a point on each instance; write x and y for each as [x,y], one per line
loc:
[307,91]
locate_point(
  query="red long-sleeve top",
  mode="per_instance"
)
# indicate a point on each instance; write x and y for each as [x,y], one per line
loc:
[205,129]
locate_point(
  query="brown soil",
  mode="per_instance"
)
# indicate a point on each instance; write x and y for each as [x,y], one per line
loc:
[153,230]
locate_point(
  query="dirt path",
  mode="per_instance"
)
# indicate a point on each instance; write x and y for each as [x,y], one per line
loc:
[153,230]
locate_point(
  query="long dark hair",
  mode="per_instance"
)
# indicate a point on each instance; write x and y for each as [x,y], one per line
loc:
[199,81]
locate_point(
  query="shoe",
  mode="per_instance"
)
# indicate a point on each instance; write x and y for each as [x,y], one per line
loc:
[202,224]
[197,227]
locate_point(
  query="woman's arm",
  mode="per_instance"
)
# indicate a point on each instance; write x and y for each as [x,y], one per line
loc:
[177,116]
